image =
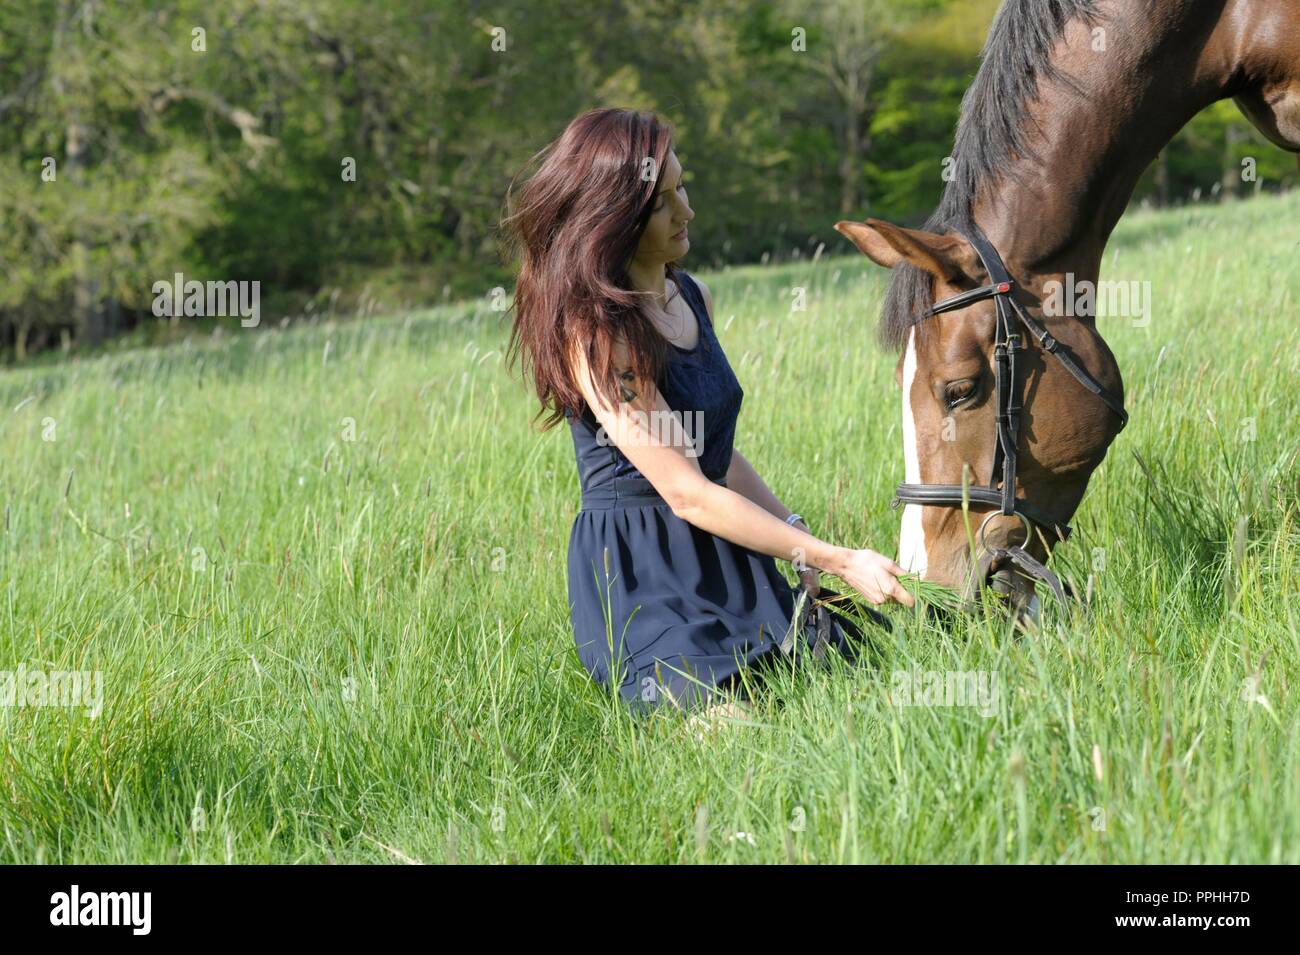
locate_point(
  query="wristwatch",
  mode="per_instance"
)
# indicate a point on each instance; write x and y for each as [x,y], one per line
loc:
[792,518]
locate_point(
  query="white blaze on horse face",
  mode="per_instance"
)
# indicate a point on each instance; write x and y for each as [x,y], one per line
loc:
[911,542]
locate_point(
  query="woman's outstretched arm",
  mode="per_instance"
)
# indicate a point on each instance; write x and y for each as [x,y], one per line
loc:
[645,429]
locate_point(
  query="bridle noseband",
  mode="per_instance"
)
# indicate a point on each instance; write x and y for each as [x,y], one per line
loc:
[1006,343]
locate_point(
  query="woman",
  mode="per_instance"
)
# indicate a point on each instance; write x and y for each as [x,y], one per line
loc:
[672,583]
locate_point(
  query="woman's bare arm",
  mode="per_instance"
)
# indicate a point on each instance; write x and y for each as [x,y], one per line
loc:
[743,479]
[645,429]
[741,475]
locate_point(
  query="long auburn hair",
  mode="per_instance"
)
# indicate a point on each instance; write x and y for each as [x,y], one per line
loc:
[575,229]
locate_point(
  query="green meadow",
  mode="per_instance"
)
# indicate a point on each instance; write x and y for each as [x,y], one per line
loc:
[319,572]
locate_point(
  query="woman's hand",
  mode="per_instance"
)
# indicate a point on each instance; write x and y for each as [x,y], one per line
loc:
[874,576]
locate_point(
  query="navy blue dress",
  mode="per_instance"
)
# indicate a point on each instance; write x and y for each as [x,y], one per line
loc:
[666,611]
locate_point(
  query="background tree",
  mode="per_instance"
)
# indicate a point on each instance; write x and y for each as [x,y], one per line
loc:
[358,153]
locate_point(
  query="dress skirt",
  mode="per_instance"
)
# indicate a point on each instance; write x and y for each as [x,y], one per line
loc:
[669,612]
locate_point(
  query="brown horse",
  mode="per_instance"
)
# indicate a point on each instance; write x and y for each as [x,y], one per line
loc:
[1072,102]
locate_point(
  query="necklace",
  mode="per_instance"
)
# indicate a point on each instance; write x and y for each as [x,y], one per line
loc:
[677,331]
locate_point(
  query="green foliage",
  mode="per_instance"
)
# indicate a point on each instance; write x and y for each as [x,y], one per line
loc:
[321,570]
[227,162]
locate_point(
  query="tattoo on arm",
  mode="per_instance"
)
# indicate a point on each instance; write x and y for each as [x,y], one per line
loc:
[628,393]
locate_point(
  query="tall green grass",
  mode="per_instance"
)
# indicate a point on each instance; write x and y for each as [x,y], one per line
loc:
[322,572]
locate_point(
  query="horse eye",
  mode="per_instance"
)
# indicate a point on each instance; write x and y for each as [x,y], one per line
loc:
[959,391]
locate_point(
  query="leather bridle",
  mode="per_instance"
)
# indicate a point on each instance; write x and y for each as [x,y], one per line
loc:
[1006,342]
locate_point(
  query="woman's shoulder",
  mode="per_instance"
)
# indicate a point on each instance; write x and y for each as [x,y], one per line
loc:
[697,290]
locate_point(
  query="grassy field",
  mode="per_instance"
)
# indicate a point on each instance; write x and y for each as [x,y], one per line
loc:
[321,572]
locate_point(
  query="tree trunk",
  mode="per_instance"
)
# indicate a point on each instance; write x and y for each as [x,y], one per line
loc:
[86,311]
[851,160]
[1231,177]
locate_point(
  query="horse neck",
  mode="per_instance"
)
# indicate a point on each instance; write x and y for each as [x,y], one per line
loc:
[1096,130]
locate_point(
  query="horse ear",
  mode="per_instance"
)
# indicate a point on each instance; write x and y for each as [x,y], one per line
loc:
[947,257]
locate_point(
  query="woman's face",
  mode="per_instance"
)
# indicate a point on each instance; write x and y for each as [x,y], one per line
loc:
[665,237]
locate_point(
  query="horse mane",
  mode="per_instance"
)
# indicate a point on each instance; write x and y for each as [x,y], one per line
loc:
[990,130]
